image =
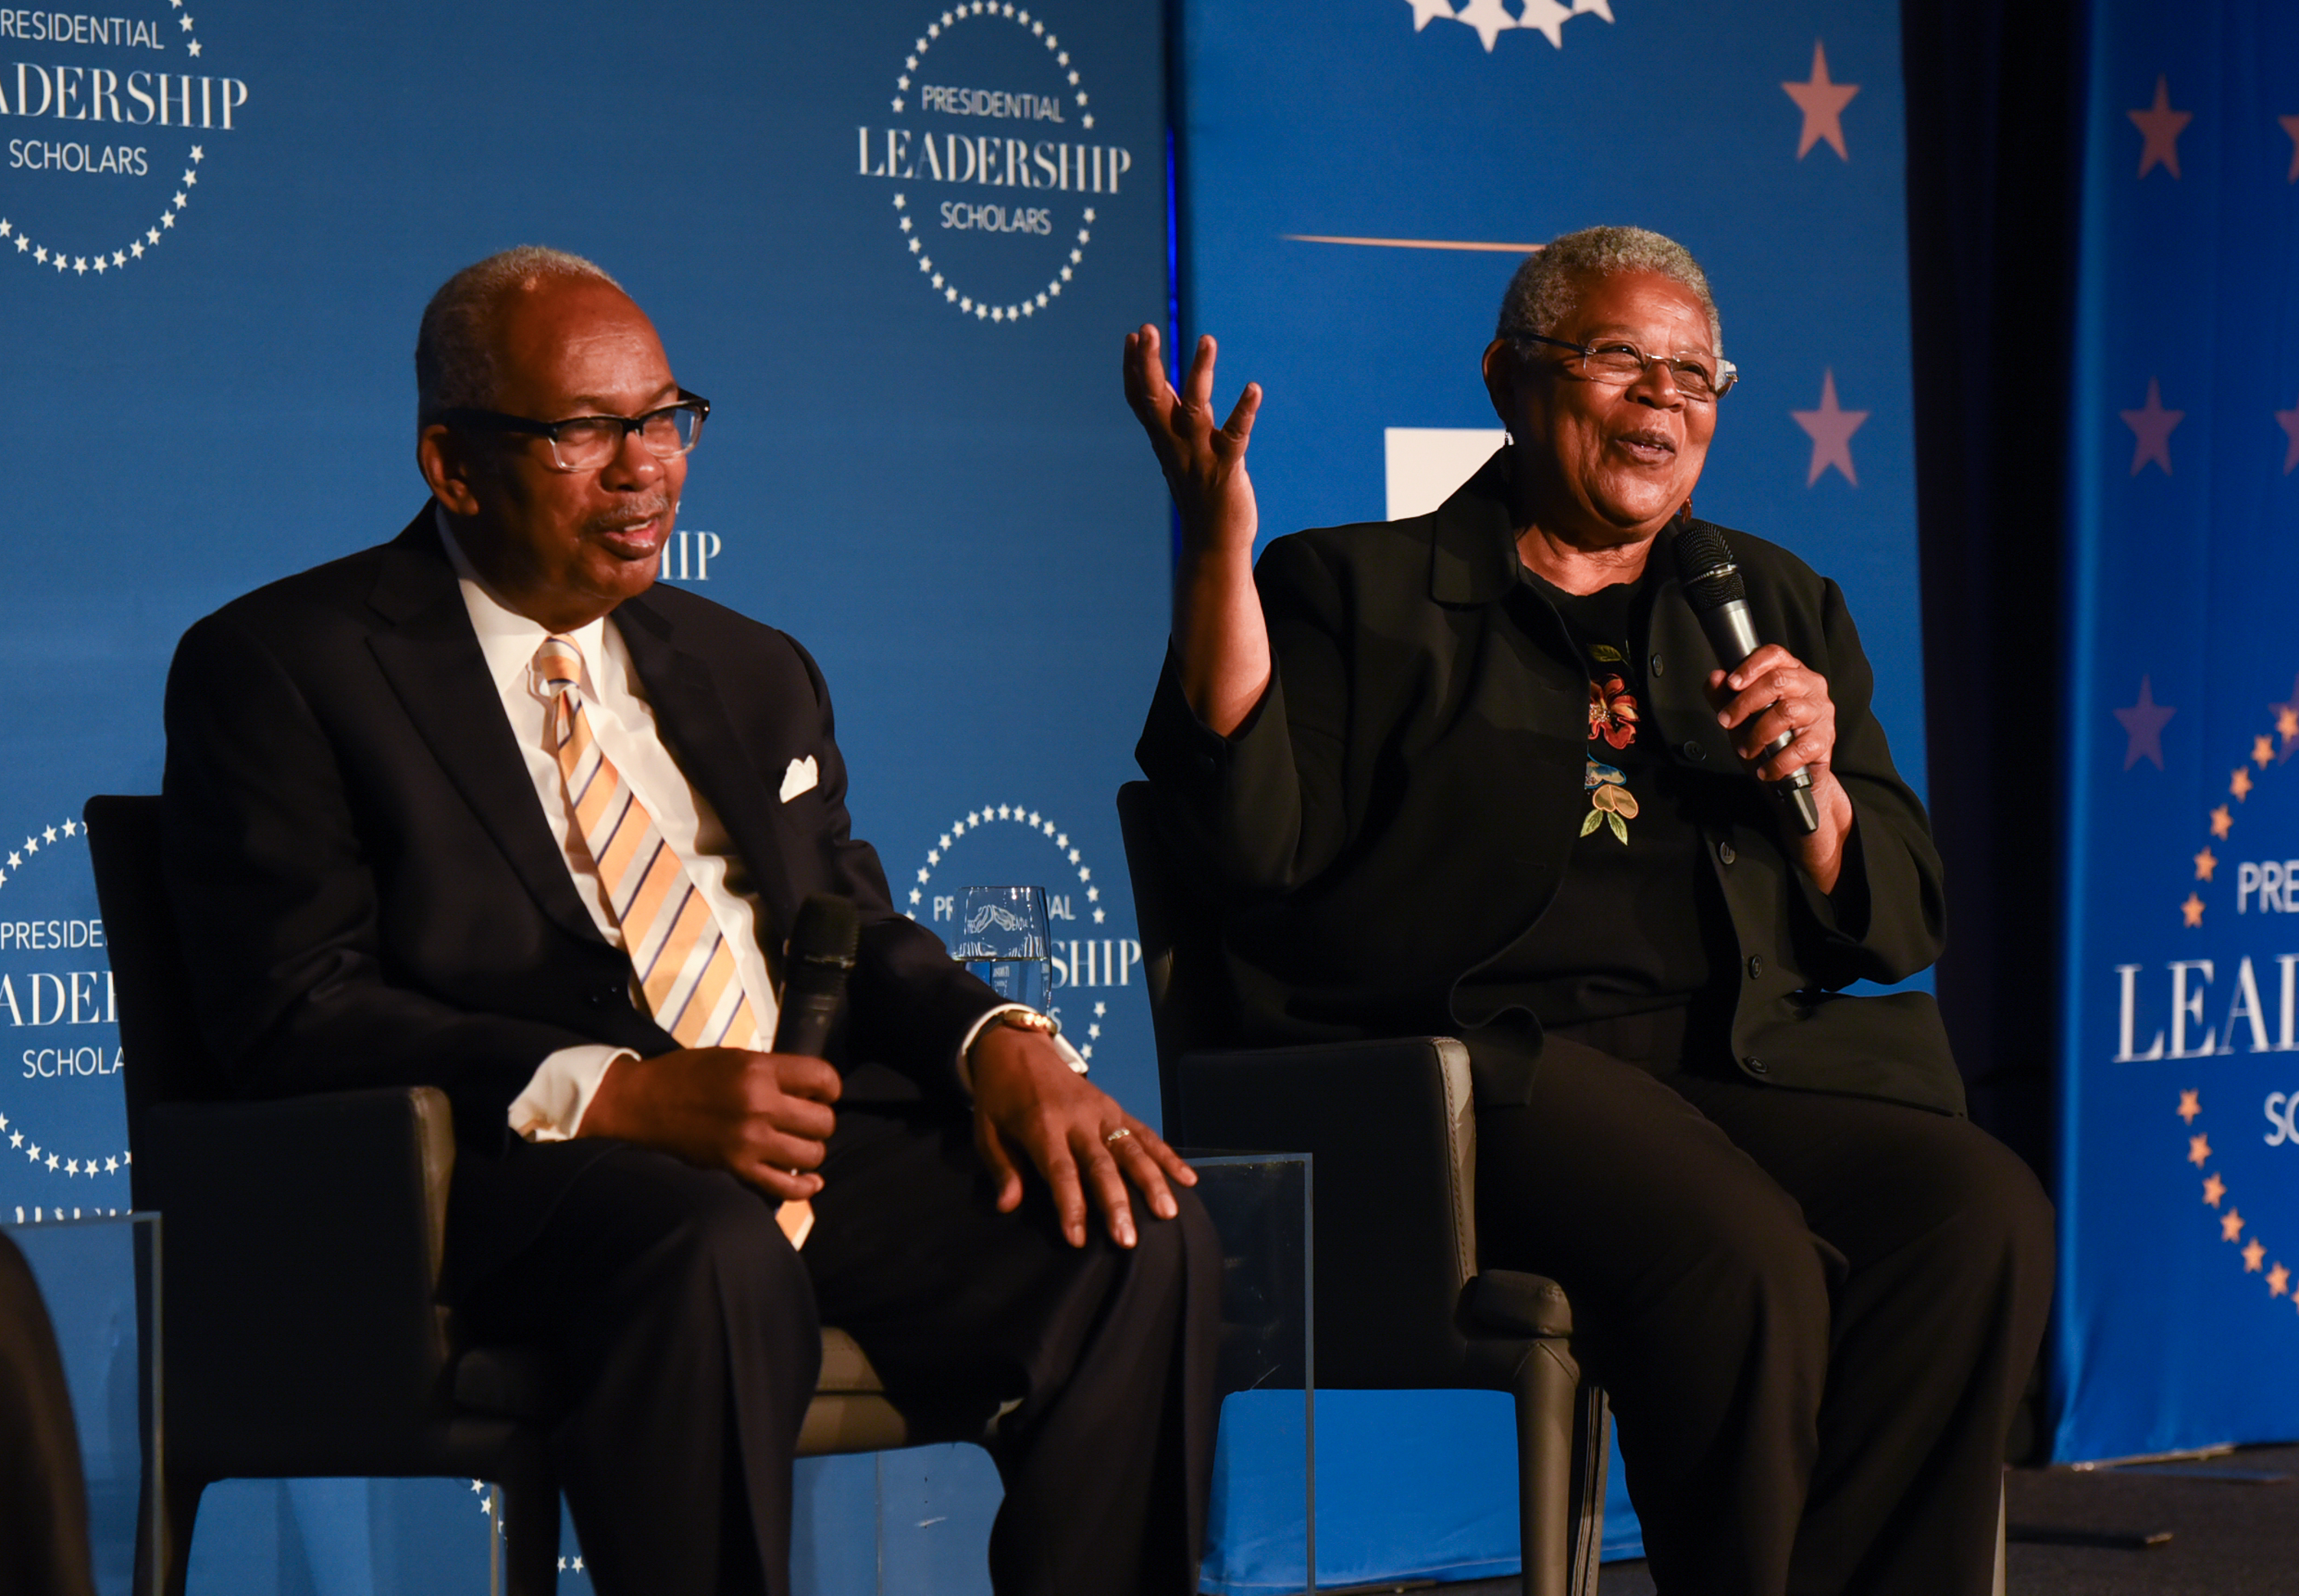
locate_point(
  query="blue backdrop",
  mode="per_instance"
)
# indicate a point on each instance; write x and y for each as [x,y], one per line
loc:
[895,242]
[2179,1212]
[1356,184]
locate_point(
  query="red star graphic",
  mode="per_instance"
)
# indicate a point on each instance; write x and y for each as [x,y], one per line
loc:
[2143,722]
[2192,911]
[2254,1257]
[2151,428]
[2206,861]
[1823,104]
[2214,1189]
[2223,822]
[2199,1150]
[2291,126]
[2230,1224]
[2161,125]
[2239,784]
[1830,428]
[2278,1281]
[2190,1105]
[2262,751]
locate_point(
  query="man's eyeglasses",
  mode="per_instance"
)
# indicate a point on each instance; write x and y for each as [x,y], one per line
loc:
[587,442]
[1620,363]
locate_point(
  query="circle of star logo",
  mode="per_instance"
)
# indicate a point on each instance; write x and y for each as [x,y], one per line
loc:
[179,27]
[45,842]
[2269,750]
[938,279]
[1029,820]
[2252,1252]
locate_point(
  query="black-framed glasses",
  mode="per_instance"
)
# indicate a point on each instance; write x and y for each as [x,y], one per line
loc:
[587,442]
[1619,362]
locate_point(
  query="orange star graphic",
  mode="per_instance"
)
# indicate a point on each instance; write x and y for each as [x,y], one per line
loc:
[2190,1105]
[2230,1224]
[2255,1256]
[2278,1281]
[2199,1150]
[2193,910]
[2206,861]
[2239,784]
[2262,751]
[2287,721]
[2223,822]
[2214,1189]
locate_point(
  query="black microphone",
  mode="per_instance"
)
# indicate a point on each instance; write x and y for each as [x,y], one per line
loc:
[822,948]
[1711,580]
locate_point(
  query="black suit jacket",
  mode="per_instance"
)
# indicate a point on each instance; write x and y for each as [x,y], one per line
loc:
[371,894]
[1401,806]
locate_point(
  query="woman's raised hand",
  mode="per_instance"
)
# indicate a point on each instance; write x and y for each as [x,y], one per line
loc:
[1204,464]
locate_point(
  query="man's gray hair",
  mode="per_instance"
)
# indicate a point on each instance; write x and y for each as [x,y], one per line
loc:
[455,349]
[1543,291]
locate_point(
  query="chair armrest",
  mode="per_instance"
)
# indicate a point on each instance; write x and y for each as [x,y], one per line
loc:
[1392,1127]
[301,1248]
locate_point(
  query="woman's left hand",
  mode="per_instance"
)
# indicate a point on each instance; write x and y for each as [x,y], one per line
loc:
[1767,694]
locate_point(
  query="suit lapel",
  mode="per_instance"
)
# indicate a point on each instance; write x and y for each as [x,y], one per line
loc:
[431,657]
[701,737]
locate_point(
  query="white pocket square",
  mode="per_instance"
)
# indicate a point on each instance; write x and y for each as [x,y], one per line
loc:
[801,777]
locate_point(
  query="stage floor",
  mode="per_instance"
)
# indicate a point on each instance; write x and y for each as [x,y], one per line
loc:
[2228,1535]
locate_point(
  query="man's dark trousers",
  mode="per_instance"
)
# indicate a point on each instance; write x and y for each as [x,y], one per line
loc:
[689,1330]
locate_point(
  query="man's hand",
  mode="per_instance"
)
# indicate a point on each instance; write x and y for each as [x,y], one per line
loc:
[1025,1091]
[765,1116]
[1773,691]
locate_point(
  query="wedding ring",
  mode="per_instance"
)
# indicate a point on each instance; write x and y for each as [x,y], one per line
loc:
[1117,1136]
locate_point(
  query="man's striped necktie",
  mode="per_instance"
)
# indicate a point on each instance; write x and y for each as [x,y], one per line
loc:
[685,969]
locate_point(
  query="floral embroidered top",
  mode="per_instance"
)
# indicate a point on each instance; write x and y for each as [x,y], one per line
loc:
[1638,923]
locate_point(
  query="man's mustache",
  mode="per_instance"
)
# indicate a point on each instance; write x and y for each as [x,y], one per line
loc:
[630,513]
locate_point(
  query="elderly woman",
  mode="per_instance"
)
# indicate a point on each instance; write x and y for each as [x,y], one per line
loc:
[1476,773]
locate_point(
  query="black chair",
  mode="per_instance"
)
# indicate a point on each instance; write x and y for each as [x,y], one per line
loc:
[302,1336]
[1400,1302]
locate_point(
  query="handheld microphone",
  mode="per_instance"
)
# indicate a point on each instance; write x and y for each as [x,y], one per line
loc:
[822,948]
[1711,580]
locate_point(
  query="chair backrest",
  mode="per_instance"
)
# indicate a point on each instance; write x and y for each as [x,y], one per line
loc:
[162,1059]
[1191,1002]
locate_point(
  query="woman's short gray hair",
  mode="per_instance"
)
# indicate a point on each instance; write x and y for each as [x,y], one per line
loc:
[454,348]
[1541,294]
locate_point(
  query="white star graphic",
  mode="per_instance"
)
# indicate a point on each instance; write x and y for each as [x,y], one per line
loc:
[71,1166]
[1424,10]
[898,105]
[100,264]
[1488,18]
[80,266]
[922,877]
[14,860]
[1084,874]
[915,895]
[1548,18]
[52,1161]
[49,835]
[1094,895]
[193,49]
[110,1166]
[22,244]
[1073,855]
[4,227]
[40,254]
[33,1151]
[980,312]
[71,829]
[184,22]
[180,201]
[974,818]
[137,249]
[31,845]
[933,855]
[167,219]
[119,257]
[1098,915]
[1004,812]
[1101,1008]
[944,839]
[15,1138]
[191,179]
[153,233]
[198,154]
[1602,8]
[1089,119]
[1063,840]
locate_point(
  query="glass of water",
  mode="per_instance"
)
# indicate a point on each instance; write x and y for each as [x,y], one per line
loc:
[1002,938]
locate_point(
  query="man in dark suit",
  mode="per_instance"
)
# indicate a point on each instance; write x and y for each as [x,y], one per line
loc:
[485,809]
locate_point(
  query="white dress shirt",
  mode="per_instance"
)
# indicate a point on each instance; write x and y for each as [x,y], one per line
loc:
[552,1106]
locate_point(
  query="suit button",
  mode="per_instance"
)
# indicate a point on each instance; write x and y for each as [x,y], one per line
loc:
[1756,966]
[604,994]
[1755,1066]
[1696,753]
[1724,852]
[1205,762]
[1653,665]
